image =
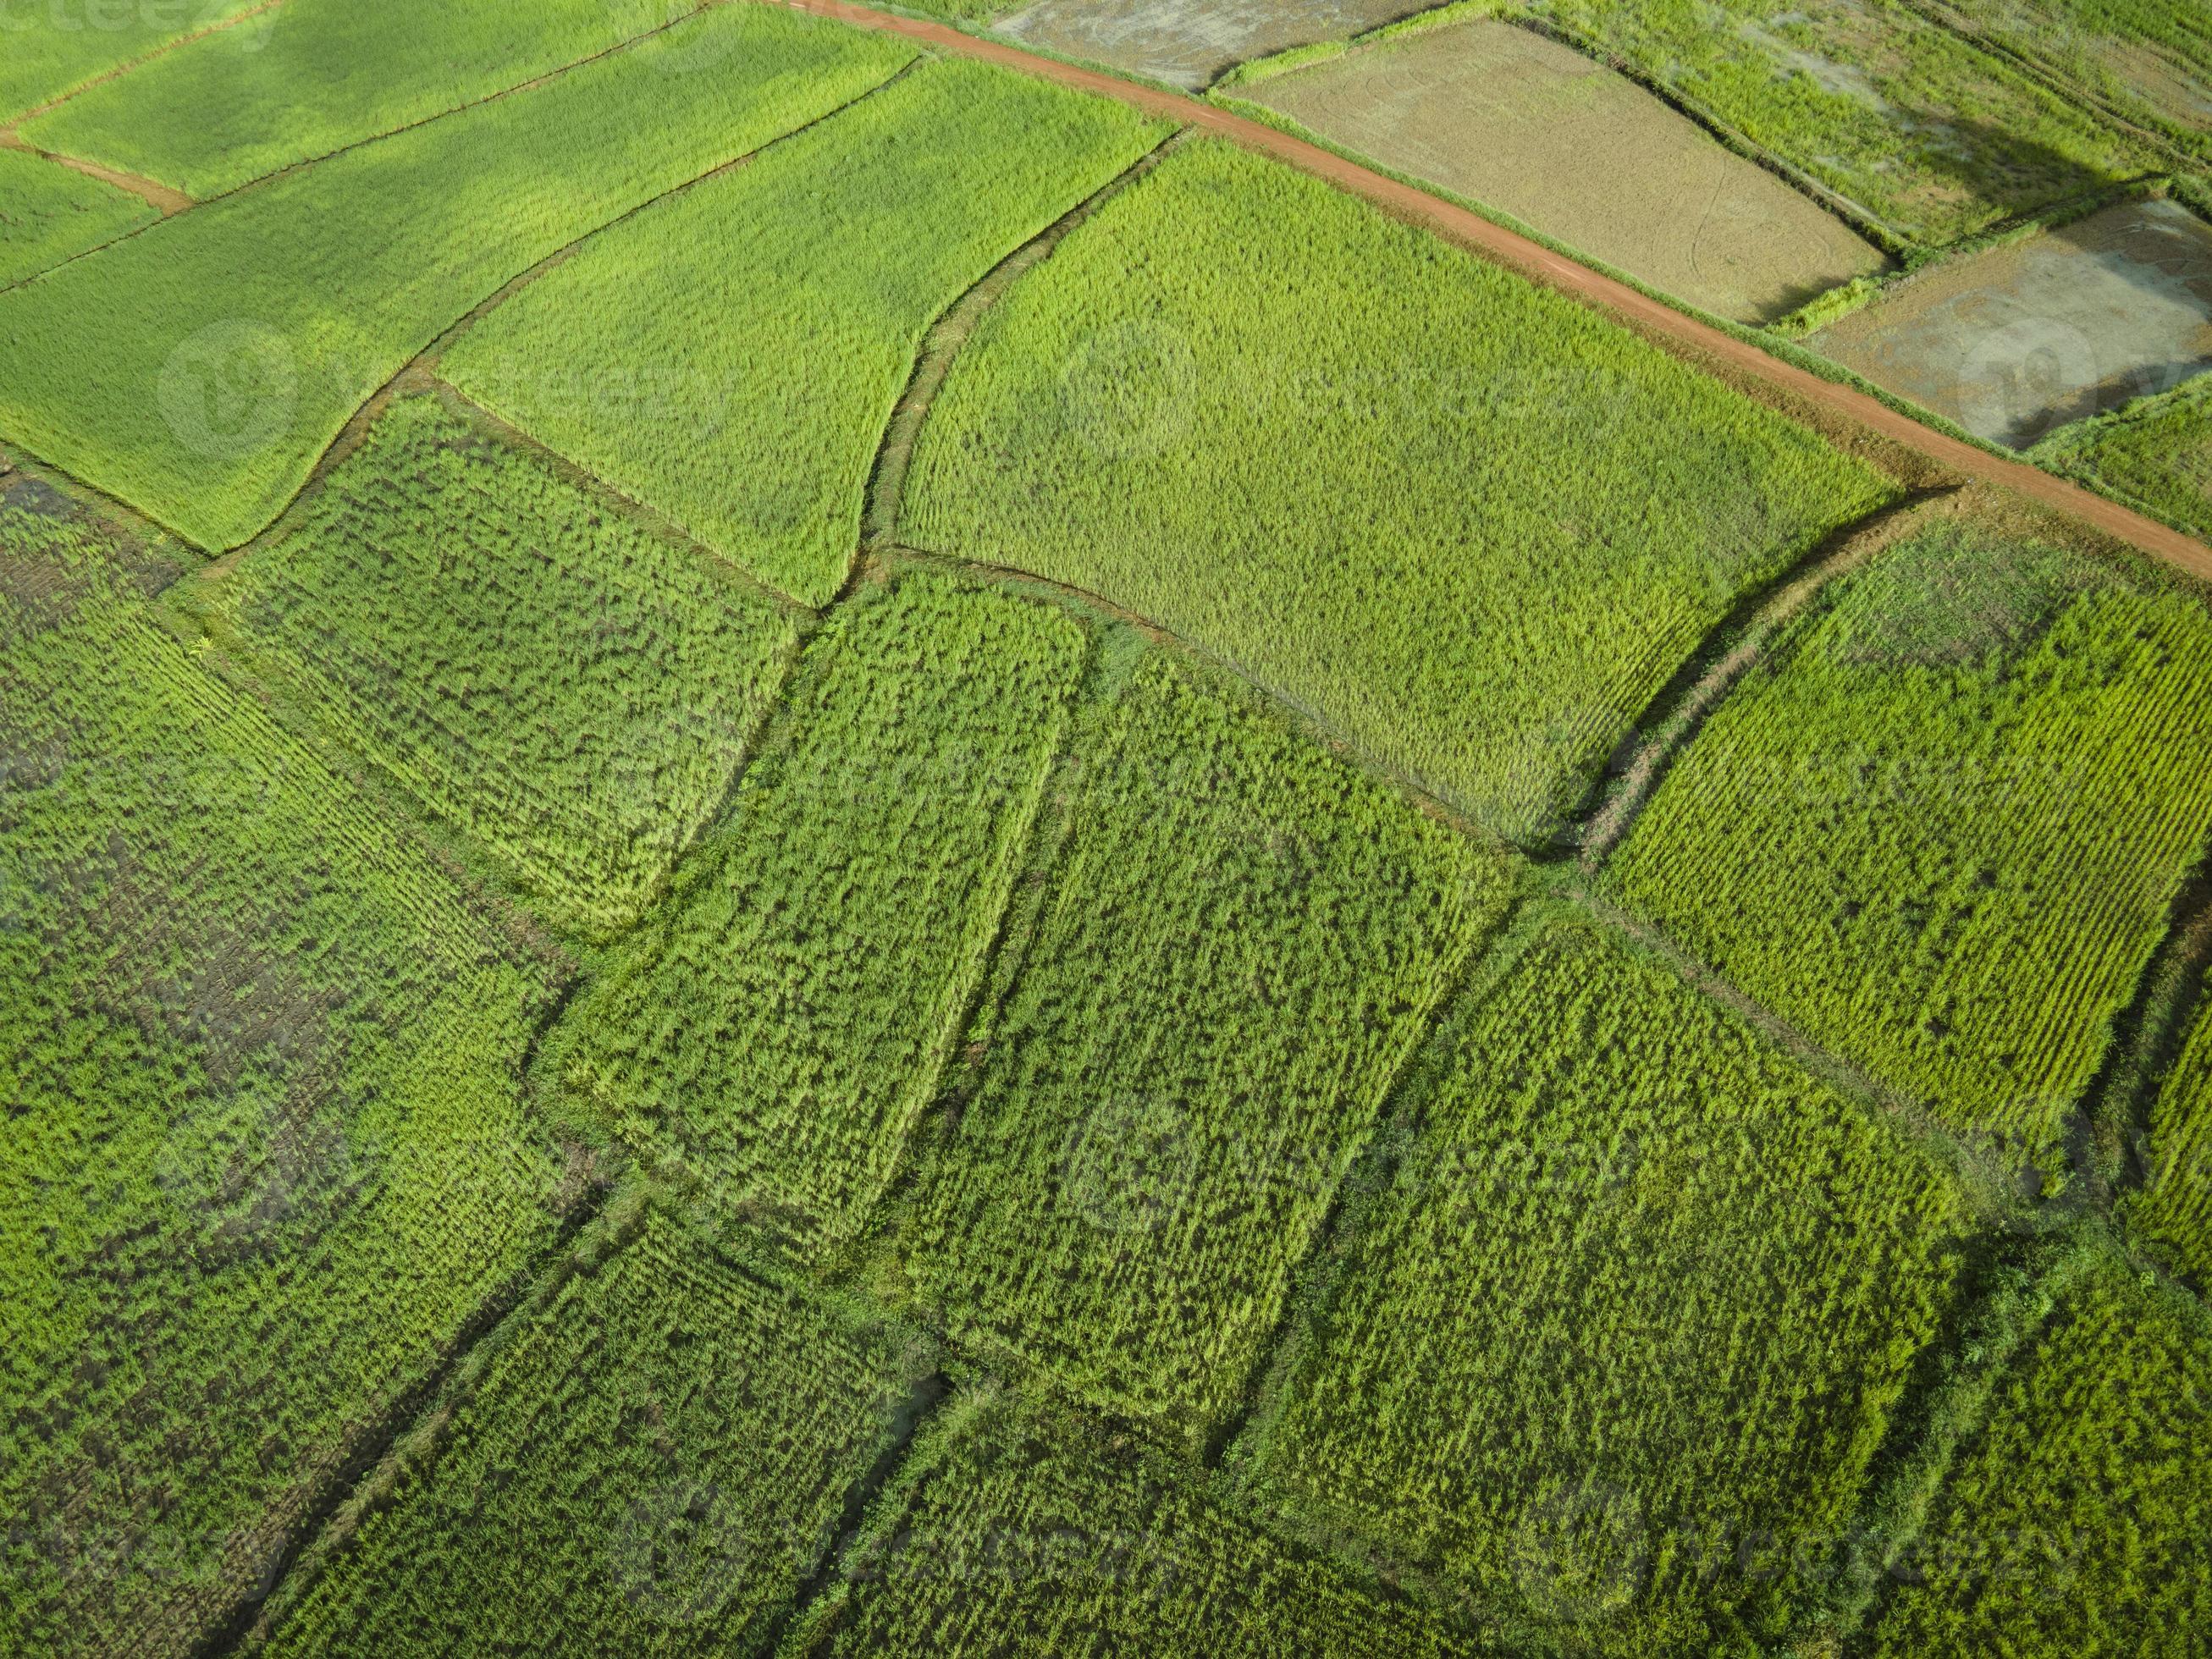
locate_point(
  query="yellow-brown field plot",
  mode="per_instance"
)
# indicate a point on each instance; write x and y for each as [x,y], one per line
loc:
[1190,42]
[2078,321]
[1515,121]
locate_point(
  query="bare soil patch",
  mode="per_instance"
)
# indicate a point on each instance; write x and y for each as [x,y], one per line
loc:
[2015,343]
[1190,42]
[1528,124]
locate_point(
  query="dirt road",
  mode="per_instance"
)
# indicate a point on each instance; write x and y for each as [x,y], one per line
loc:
[159,195]
[1538,262]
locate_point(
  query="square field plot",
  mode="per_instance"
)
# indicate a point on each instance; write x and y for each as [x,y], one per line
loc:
[1614,1332]
[2015,343]
[1516,121]
[1240,941]
[1467,522]
[1191,43]
[780,1022]
[569,689]
[1942,826]
[2077,1524]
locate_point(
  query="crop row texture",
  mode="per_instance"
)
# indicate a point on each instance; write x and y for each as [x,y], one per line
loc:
[653,1465]
[780,1023]
[1955,806]
[1239,943]
[760,328]
[1012,1531]
[262,1152]
[1356,461]
[198,369]
[2175,1205]
[2078,1524]
[574,691]
[1620,1324]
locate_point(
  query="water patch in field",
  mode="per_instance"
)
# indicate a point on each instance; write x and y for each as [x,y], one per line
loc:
[1519,122]
[1190,42]
[2017,342]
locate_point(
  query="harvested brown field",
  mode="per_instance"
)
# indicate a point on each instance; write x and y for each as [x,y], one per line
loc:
[1190,42]
[1518,122]
[2015,343]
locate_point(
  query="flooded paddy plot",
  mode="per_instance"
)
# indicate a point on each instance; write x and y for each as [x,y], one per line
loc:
[2018,343]
[1520,122]
[1191,43]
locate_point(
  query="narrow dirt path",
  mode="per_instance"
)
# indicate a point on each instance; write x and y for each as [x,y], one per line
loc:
[162,51]
[160,197]
[1554,271]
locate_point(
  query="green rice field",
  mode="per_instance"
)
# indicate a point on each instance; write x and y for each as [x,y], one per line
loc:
[825,836]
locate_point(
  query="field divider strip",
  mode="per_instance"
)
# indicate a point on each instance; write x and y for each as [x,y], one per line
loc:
[1653,318]
[1736,645]
[949,333]
[2118,1108]
[10,139]
[249,1619]
[419,372]
[162,51]
[156,194]
[1314,724]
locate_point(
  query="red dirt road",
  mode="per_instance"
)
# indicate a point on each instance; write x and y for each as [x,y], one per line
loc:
[1532,260]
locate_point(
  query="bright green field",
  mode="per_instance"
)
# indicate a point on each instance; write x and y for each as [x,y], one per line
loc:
[1950,811]
[1612,1192]
[823,264]
[2159,455]
[198,370]
[318,75]
[780,1024]
[55,45]
[573,691]
[2175,1206]
[49,214]
[1236,946]
[651,1463]
[1924,131]
[2078,1523]
[1355,463]
[1014,1530]
[265,1152]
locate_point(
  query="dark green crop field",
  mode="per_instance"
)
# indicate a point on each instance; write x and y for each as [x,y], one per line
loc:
[818,841]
